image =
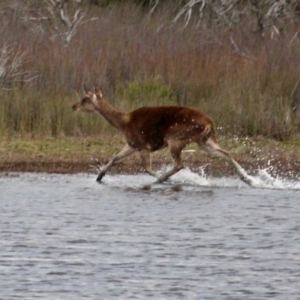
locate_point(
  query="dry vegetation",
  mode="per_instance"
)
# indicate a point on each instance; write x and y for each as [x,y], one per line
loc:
[248,82]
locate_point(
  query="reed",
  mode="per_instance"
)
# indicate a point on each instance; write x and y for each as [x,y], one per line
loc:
[136,64]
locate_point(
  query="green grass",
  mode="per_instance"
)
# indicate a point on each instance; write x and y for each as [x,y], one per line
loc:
[136,64]
[61,147]
[83,154]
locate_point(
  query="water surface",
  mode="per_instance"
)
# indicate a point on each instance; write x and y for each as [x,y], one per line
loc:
[67,237]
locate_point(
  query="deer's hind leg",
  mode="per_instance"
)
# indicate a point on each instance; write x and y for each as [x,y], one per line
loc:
[126,151]
[212,147]
[175,150]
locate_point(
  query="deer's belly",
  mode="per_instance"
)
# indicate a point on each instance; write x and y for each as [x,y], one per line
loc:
[146,141]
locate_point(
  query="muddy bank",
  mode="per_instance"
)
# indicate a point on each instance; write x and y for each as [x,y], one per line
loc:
[73,155]
[282,165]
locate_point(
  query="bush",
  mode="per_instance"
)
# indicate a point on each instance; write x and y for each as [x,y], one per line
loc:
[147,93]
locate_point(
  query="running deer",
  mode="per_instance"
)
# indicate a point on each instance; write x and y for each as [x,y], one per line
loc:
[149,129]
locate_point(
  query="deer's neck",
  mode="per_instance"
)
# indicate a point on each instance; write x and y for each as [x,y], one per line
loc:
[114,117]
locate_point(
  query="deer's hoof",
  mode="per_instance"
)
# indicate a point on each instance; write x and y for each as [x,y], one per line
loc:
[99,178]
[160,180]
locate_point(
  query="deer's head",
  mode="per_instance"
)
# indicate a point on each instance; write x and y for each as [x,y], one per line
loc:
[89,101]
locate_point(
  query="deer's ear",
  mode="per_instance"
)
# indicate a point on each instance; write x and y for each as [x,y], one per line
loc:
[86,90]
[98,91]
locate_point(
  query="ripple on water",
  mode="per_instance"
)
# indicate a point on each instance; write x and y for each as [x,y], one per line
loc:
[65,236]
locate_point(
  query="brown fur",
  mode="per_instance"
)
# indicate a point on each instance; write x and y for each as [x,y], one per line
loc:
[153,127]
[149,129]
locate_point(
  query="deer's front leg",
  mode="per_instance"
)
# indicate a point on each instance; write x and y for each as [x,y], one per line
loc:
[146,161]
[175,150]
[126,151]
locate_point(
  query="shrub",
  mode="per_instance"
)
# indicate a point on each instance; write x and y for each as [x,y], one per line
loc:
[150,92]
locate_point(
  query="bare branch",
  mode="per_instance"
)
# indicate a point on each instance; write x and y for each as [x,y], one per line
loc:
[238,51]
[269,14]
[293,38]
[187,10]
[13,67]
[154,7]
[62,20]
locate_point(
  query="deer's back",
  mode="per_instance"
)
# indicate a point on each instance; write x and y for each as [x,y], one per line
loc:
[151,127]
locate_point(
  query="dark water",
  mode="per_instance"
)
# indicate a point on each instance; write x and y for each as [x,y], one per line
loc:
[67,237]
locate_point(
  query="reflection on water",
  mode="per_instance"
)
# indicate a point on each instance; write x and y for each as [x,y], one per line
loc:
[67,237]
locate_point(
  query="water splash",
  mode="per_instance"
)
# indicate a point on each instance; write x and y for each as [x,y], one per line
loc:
[186,176]
[263,180]
[277,182]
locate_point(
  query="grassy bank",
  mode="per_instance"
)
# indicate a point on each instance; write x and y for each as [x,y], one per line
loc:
[71,155]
